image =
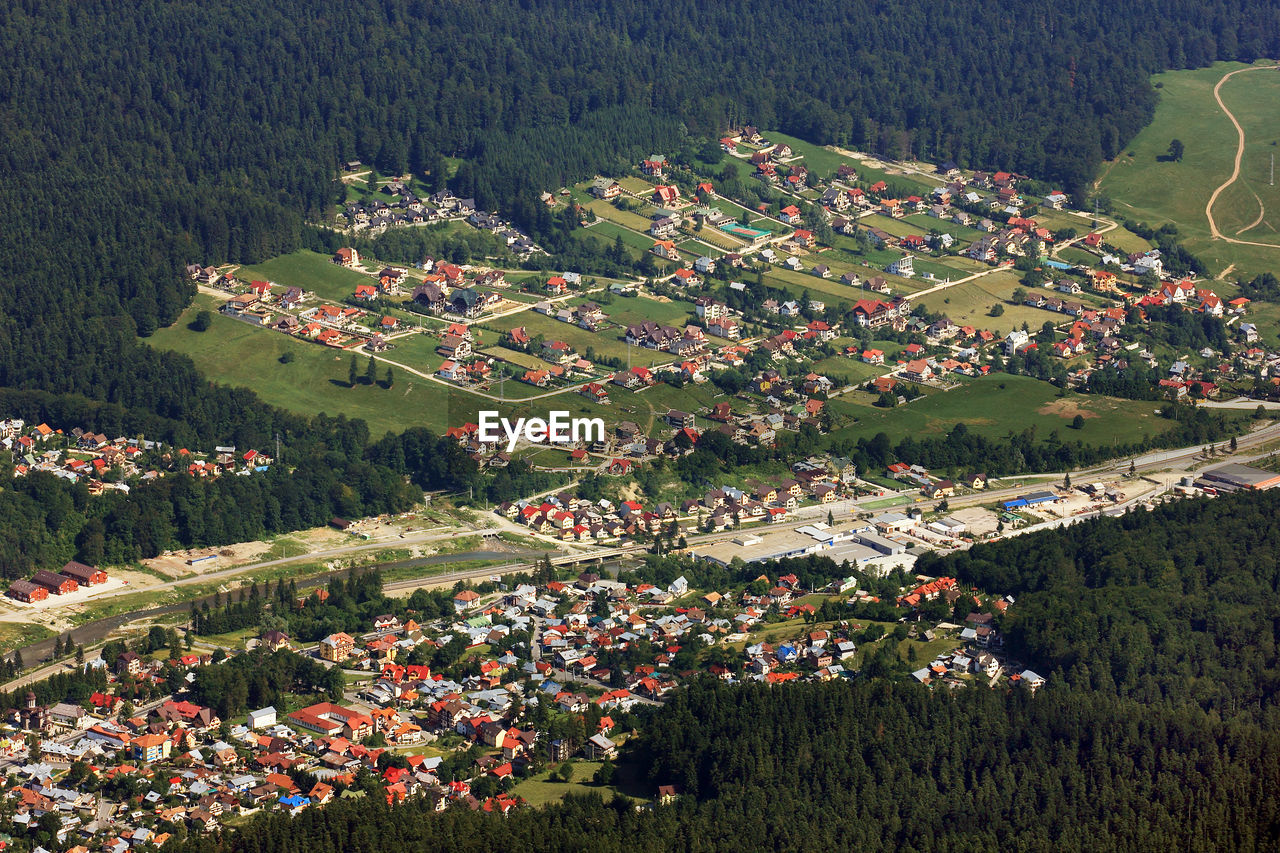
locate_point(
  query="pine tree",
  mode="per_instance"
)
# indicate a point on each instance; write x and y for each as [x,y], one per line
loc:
[352,373]
[391,380]
[371,371]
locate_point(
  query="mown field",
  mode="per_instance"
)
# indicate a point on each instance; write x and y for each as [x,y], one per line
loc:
[997,405]
[1148,188]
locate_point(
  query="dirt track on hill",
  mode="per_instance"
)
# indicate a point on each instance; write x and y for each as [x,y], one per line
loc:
[1235,170]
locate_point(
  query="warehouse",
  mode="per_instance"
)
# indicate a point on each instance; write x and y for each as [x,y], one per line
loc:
[1231,476]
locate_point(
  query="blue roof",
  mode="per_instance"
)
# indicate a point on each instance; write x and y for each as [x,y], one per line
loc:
[295,801]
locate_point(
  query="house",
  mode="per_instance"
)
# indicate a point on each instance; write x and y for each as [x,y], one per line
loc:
[262,718]
[666,249]
[600,748]
[902,267]
[654,166]
[337,647]
[918,370]
[665,195]
[346,257]
[149,749]
[606,188]
[465,600]
[27,592]
[790,214]
[56,584]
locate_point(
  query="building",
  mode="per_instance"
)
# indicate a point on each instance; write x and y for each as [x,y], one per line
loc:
[57,584]
[599,748]
[329,719]
[84,575]
[337,647]
[262,718]
[1232,476]
[27,591]
[150,748]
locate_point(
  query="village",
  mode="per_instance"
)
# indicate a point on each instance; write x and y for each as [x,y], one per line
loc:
[580,655]
[834,297]
[106,464]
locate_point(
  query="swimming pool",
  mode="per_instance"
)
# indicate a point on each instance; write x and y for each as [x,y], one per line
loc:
[744,231]
[1057,265]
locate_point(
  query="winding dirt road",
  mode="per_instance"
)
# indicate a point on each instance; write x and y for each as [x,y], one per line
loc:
[1235,170]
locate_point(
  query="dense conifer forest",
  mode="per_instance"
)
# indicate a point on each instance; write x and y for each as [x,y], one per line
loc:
[1157,727]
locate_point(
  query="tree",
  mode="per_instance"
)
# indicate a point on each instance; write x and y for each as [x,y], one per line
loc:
[371,371]
[1232,444]
[1175,150]
[352,372]
[390,380]
[287,357]
[567,771]
[997,310]
[202,322]
[1077,422]
[1066,481]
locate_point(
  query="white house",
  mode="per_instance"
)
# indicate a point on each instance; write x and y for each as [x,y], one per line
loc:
[1015,339]
[262,718]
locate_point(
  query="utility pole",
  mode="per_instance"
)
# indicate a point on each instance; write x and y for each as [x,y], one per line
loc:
[1273,170]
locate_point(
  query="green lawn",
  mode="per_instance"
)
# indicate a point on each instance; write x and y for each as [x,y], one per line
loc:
[606,210]
[962,233]
[997,405]
[1147,189]
[538,790]
[309,270]
[849,370]
[609,231]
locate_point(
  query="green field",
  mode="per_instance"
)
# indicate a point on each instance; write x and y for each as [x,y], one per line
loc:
[969,304]
[1145,188]
[309,270]
[848,369]
[606,210]
[998,405]
[238,354]
[606,342]
[824,162]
